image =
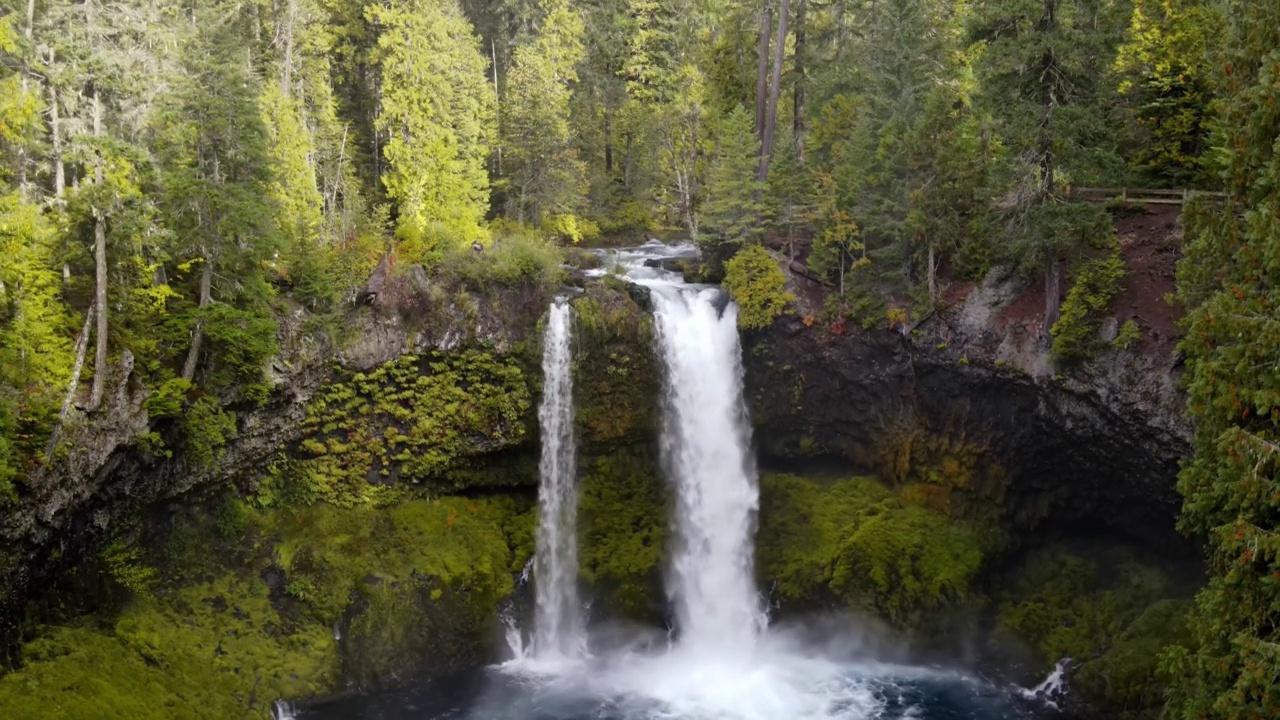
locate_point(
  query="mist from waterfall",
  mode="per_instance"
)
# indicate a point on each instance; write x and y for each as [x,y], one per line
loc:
[722,662]
[706,453]
[558,624]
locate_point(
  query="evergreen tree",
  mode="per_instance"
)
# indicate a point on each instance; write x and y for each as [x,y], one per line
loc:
[732,212]
[1230,282]
[437,111]
[216,176]
[1040,70]
[544,171]
[1166,81]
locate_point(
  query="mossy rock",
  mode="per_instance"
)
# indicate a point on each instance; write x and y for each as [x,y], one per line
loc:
[617,376]
[251,615]
[416,421]
[623,529]
[854,543]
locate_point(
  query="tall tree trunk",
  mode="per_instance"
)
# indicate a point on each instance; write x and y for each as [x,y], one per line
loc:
[608,141]
[775,86]
[497,104]
[1053,269]
[55,132]
[286,70]
[197,335]
[933,276]
[82,348]
[1052,288]
[797,123]
[27,32]
[100,268]
[762,72]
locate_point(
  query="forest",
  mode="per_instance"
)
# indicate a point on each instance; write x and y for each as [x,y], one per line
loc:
[176,174]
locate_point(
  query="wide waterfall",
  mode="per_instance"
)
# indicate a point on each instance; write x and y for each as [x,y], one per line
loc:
[558,626]
[706,454]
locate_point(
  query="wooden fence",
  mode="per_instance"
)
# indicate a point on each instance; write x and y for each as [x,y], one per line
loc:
[1139,195]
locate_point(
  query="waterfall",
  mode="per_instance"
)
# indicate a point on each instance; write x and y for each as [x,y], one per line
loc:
[558,625]
[706,454]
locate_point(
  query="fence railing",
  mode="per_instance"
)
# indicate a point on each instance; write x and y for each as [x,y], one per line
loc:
[1139,195]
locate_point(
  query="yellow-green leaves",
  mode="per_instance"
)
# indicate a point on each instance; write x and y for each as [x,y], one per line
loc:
[437,113]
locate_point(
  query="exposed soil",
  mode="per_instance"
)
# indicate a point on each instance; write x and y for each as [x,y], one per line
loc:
[1150,243]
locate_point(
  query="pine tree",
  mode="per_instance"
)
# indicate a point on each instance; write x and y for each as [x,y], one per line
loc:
[1040,70]
[437,111]
[1230,282]
[545,174]
[733,209]
[216,177]
[1166,81]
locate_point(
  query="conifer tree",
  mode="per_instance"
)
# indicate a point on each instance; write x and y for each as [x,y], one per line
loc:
[1230,282]
[1040,71]
[732,212]
[545,174]
[216,184]
[437,111]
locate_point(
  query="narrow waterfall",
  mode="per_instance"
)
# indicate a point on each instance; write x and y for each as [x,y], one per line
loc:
[706,454]
[558,625]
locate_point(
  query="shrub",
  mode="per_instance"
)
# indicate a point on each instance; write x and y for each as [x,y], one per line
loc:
[521,257]
[1097,282]
[758,285]
[1128,335]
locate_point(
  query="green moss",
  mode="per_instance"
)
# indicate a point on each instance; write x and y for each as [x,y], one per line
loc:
[214,650]
[341,551]
[617,378]
[216,641]
[953,475]
[856,543]
[412,420]
[622,519]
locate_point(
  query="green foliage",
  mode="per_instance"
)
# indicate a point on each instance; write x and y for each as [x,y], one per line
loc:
[1128,335]
[623,524]
[217,643]
[1229,282]
[545,177]
[617,376]
[124,564]
[437,111]
[758,285]
[855,541]
[1167,79]
[1112,614]
[413,420]
[515,259]
[1096,283]
[206,429]
[733,211]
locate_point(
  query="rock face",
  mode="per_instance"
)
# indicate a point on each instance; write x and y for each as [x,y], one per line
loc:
[1098,446]
[102,478]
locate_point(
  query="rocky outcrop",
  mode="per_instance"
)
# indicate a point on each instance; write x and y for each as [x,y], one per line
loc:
[973,411]
[102,478]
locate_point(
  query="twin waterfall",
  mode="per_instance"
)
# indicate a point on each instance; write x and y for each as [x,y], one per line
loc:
[558,624]
[705,451]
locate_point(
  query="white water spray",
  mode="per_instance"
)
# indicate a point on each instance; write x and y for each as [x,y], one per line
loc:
[706,453]
[558,625]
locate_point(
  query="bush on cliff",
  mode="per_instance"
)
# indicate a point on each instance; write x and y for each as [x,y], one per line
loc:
[758,285]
